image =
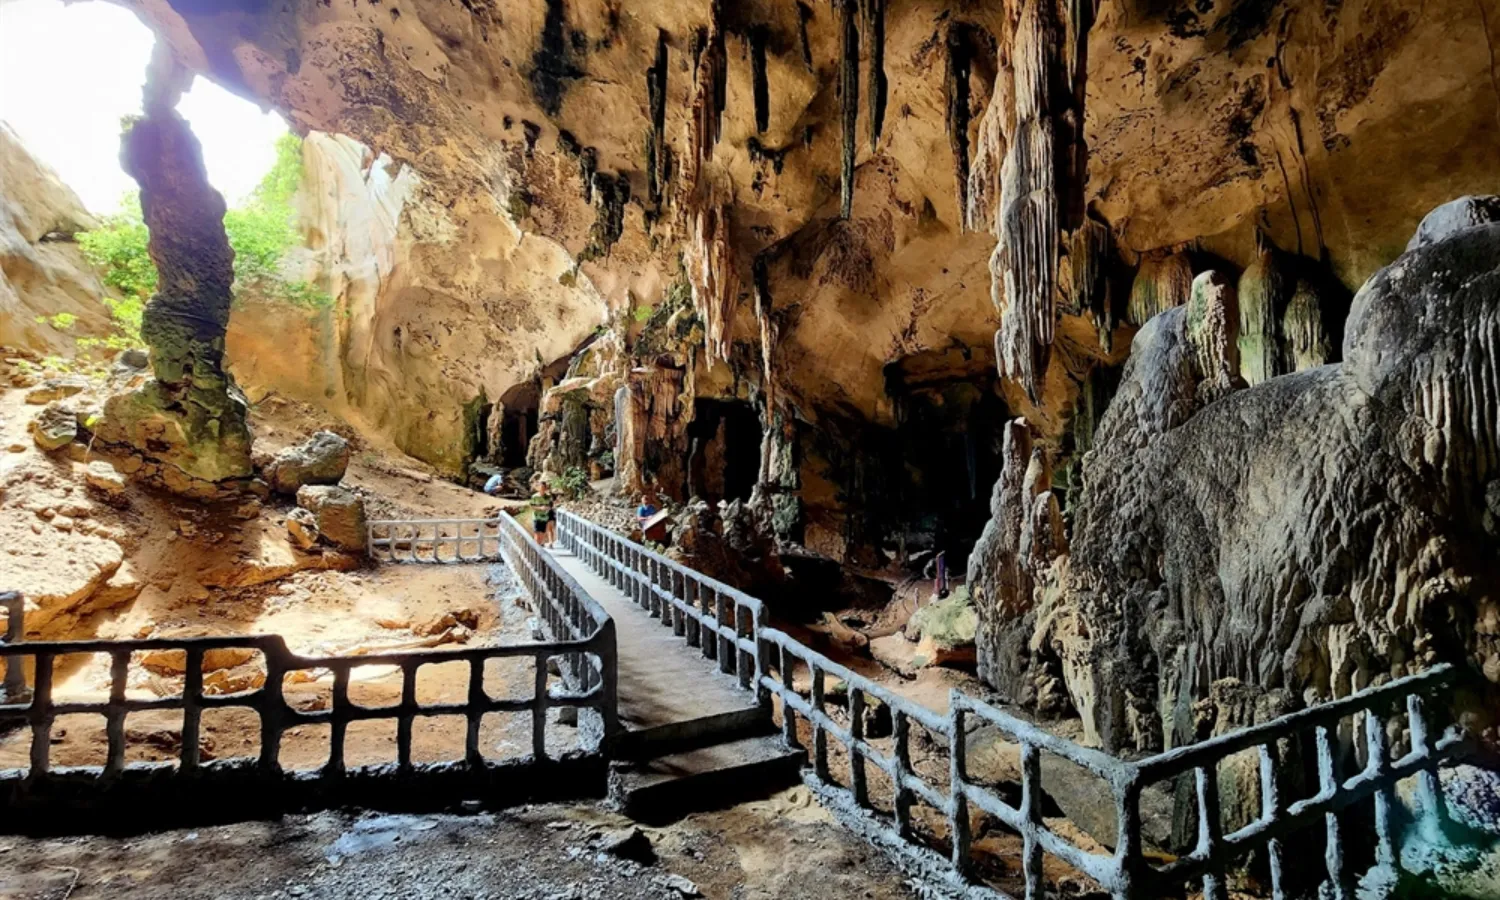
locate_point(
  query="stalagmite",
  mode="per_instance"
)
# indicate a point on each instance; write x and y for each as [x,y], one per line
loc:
[1264,289]
[1307,343]
[1089,249]
[848,100]
[998,582]
[874,27]
[656,138]
[1160,284]
[710,266]
[956,85]
[759,84]
[1212,320]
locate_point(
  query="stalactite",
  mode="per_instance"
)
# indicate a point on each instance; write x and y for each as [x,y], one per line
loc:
[1307,342]
[874,26]
[769,332]
[711,271]
[988,159]
[804,15]
[1042,179]
[956,85]
[1160,284]
[1264,288]
[709,83]
[760,85]
[1212,322]
[656,138]
[848,99]
[1089,249]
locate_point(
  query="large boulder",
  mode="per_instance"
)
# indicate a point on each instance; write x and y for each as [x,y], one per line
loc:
[340,512]
[321,459]
[1313,535]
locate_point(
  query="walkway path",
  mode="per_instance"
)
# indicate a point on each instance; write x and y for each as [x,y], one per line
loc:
[662,681]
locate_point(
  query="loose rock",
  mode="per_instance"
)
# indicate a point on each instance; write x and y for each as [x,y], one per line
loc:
[340,512]
[322,459]
[54,427]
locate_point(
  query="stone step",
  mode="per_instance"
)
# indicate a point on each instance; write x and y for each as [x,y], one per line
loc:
[678,737]
[714,777]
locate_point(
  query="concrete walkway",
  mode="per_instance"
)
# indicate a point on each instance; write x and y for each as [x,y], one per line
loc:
[663,682]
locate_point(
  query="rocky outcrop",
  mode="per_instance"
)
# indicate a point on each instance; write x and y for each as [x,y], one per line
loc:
[1314,534]
[42,271]
[340,514]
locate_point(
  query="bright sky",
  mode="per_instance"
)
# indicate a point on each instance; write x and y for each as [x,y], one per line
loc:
[69,74]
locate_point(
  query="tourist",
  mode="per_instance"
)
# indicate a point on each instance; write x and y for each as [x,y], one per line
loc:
[645,511]
[495,484]
[541,515]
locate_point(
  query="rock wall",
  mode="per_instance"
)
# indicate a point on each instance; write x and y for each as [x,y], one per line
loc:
[42,271]
[436,309]
[1307,537]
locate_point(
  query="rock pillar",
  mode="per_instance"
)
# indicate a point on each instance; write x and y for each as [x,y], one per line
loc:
[190,419]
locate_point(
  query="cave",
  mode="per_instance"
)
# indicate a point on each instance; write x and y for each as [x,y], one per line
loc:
[1174,333]
[724,450]
[518,423]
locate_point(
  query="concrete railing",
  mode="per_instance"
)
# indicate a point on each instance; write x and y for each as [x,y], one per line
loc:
[582,641]
[728,625]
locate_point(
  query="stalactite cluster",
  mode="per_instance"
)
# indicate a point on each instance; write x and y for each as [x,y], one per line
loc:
[760,85]
[1041,180]
[1161,282]
[848,99]
[1090,247]
[710,81]
[711,271]
[656,138]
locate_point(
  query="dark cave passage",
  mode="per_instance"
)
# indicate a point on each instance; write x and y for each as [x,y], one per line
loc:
[724,450]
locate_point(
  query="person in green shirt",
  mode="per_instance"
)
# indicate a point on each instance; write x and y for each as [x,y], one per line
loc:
[541,515]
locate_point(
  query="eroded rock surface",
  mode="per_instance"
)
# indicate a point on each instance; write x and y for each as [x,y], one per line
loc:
[1312,535]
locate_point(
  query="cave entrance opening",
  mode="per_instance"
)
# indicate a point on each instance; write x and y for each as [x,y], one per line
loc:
[521,407]
[950,418]
[724,450]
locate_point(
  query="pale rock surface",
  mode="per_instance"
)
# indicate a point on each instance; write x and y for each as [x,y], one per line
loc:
[42,271]
[340,513]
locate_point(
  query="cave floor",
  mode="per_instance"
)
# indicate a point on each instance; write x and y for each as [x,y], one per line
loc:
[786,846]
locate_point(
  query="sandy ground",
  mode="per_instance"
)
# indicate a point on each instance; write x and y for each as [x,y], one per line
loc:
[782,848]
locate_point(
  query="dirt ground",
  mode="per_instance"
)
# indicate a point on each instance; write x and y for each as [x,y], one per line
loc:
[782,848]
[152,565]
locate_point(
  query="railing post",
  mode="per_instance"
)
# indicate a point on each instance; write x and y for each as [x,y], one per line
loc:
[1270,810]
[1031,815]
[1128,842]
[15,633]
[1333,857]
[1210,829]
[958,803]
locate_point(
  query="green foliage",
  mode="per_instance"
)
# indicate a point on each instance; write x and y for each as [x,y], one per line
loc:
[61,321]
[261,232]
[572,484]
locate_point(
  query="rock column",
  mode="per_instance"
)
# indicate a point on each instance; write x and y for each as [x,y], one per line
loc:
[190,419]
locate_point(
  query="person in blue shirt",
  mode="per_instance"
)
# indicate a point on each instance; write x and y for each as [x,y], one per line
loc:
[645,511]
[495,483]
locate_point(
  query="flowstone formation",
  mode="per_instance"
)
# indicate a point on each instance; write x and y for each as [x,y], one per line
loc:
[189,420]
[1298,540]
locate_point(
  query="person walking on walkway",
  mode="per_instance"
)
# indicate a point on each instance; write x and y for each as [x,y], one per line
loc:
[541,515]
